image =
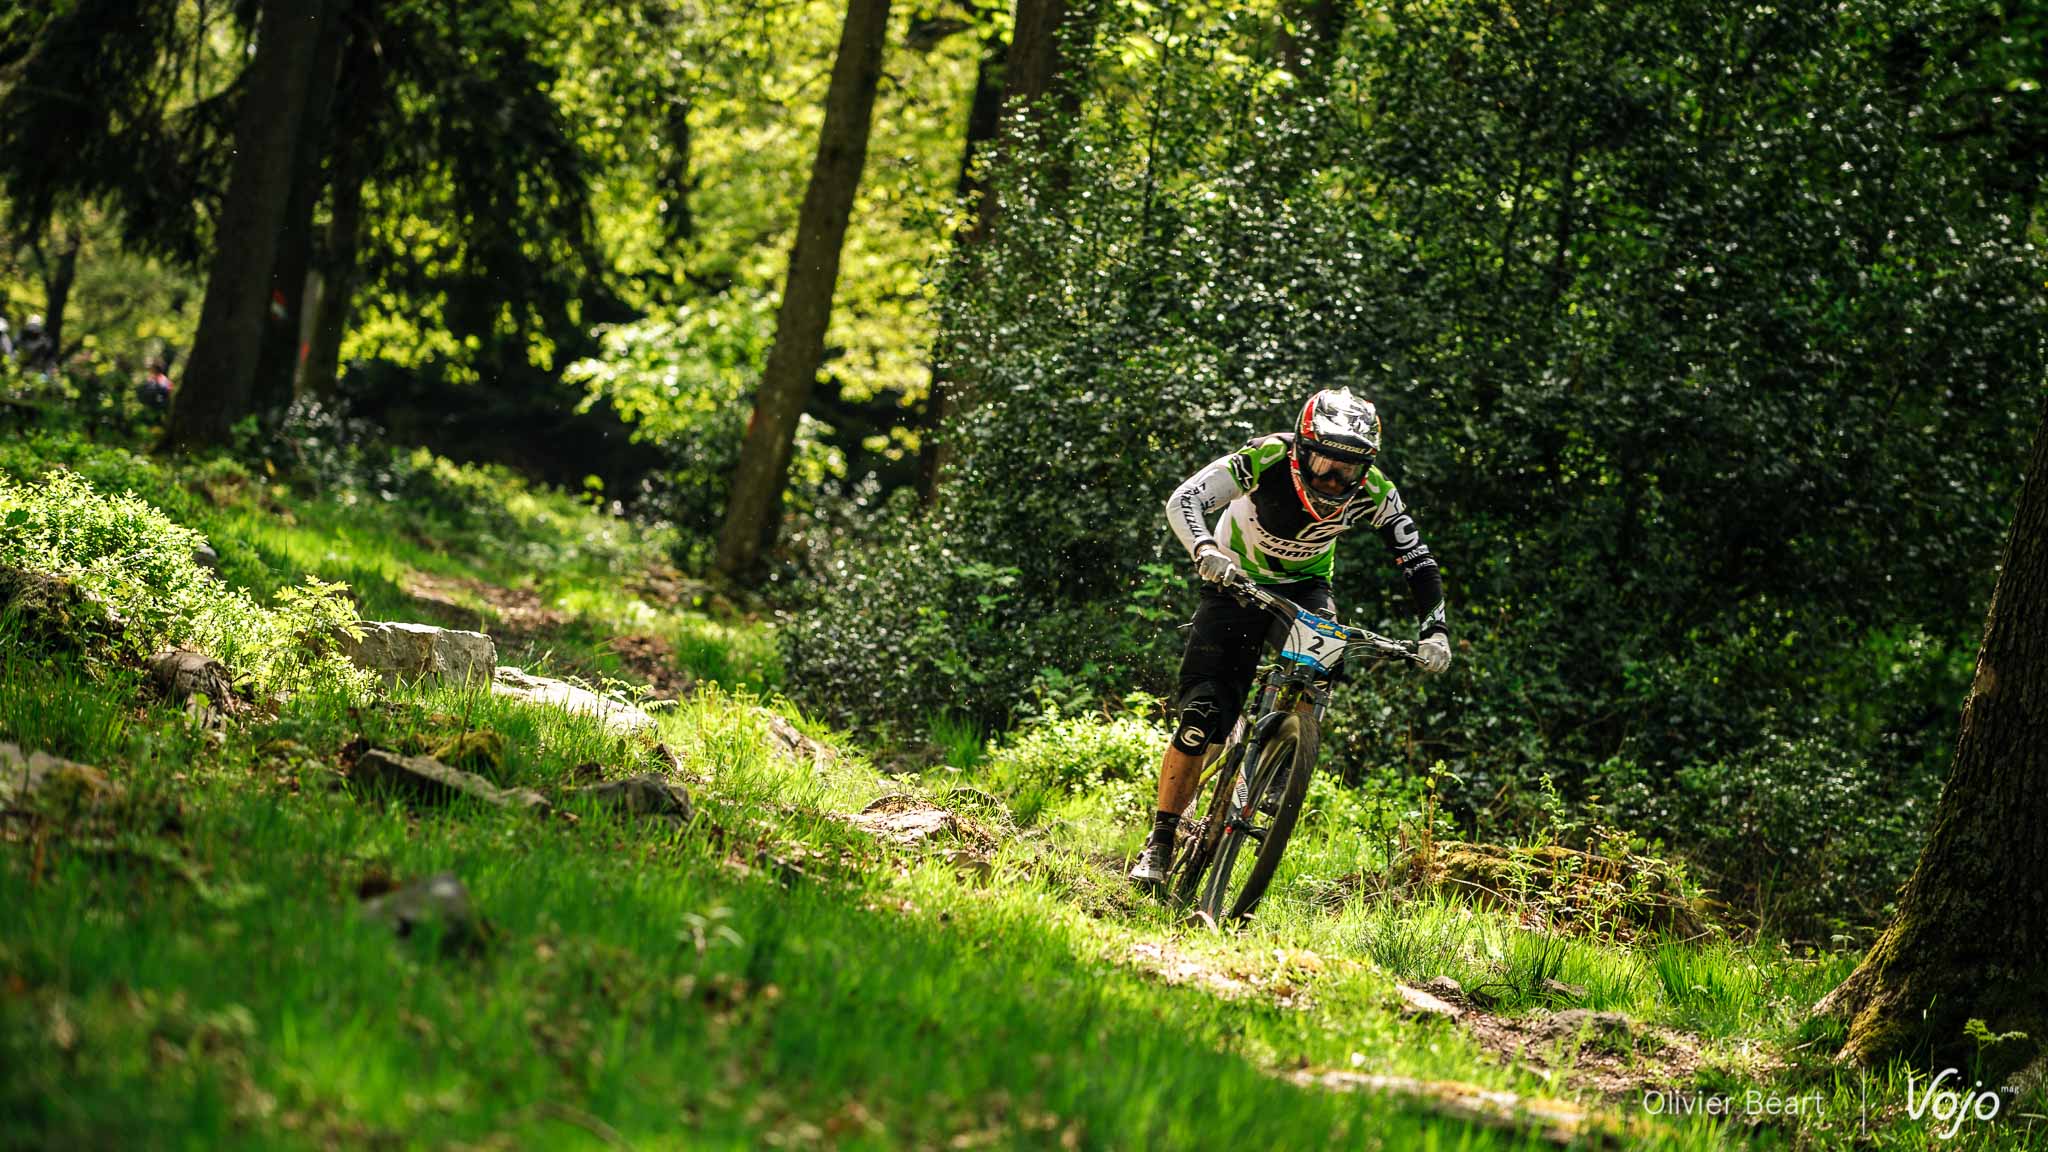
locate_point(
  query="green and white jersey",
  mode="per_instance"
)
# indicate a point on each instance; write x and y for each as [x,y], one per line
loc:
[1265,527]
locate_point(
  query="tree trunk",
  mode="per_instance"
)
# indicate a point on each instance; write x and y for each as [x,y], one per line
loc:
[279,355]
[1046,33]
[357,108]
[1970,940]
[221,369]
[984,120]
[59,275]
[1320,22]
[753,512]
[1046,39]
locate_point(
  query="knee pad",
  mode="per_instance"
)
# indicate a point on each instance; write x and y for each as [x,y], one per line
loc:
[1204,719]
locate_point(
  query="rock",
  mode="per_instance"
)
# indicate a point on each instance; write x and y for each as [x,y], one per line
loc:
[1638,891]
[437,902]
[909,826]
[969,864]
[620,717]
[181,673]
[398,651]
[1446,989]
[204,556]
[648,795]
[795,744]
[1563,991]
[1607,1031]
[427,779]
[39,778]
[1416,1002]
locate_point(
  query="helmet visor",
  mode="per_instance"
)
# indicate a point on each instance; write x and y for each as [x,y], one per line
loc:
[1329,476]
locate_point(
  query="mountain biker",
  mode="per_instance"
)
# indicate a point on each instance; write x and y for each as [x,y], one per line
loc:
[1285,499]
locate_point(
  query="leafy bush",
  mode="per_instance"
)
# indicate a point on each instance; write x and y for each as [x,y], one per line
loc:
[685,382]
[896,631]
[140,563]
[1111,761]
[1646,375]
[1804,833]
[1080,753]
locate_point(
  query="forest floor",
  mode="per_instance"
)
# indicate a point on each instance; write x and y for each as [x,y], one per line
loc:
[844,945]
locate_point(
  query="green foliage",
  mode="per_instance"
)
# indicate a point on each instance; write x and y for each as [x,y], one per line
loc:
[1808,830]
[1648,299]
[1076,754]
[685,383]
[140,563]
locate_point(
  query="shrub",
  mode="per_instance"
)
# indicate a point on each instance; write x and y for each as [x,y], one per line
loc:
[1113,757]
[1808,834]
[140,564]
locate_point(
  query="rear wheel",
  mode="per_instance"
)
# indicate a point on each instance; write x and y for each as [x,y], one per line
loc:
[1247,842]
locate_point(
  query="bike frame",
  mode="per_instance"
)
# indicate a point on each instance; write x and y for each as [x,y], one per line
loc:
[1293,677]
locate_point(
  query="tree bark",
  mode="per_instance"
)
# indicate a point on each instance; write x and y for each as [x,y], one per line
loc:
[753,512]
[1039,78]
[984,120]
[279,355]
[357,108]
[58,275]
[1321,23]
[1045,35]
[221,370]
[1970,940]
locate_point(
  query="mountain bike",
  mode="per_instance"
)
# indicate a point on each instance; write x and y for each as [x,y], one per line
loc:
[1263,772]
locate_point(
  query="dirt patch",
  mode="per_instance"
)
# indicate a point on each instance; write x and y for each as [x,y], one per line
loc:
[513,613]
[1554,1120]
[663,585]
[1174,966]
[653,660]
[1608,1053]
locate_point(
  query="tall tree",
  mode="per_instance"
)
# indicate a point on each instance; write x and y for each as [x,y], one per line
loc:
[221,370]
[58,268]
[278,358]
[984,120]
[1308,28]
[1970,939]
[753,513]
[1047,37]
[357,112]
[1038,69]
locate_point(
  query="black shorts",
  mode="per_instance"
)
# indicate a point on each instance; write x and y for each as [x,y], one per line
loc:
[1223,650]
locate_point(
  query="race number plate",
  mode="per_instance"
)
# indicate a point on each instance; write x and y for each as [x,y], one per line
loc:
[1314,641]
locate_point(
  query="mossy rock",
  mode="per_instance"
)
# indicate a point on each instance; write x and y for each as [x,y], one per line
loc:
[481,751]
[1639,892]
[54,615]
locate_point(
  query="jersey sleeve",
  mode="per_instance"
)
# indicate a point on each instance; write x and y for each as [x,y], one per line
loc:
[1404,543]
[1198,497]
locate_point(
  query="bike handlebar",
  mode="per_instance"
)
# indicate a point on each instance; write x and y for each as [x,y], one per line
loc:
[1373,643]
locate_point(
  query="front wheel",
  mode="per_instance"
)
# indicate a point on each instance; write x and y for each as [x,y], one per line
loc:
[1236,879]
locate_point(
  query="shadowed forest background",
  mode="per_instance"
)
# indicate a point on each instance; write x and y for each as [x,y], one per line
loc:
[1710,343]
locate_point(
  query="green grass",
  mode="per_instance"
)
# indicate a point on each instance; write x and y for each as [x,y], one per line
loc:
[638,980]
[189,967]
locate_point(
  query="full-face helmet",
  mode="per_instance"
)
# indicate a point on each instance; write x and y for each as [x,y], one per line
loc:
[1335,442]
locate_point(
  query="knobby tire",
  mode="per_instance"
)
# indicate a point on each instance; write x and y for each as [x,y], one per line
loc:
[1294,742]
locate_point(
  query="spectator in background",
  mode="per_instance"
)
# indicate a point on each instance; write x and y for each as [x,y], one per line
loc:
[156,386]
[35,349]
